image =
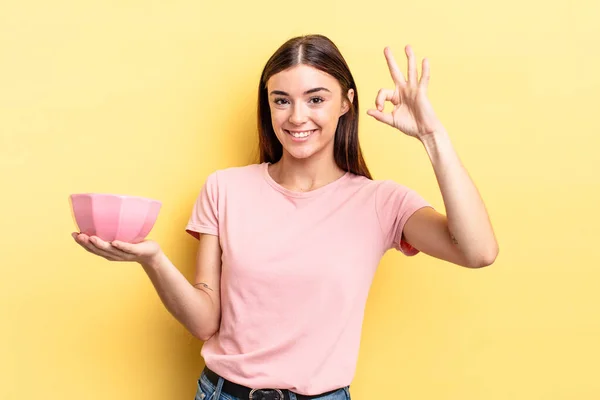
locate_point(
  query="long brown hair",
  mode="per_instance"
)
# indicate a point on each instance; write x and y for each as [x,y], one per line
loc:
[321,53]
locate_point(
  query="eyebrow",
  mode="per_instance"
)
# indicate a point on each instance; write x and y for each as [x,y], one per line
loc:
[282,93]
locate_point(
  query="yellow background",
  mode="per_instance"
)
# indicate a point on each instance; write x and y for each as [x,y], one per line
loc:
[147,98]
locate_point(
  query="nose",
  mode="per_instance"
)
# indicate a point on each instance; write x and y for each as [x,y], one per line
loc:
[298,115]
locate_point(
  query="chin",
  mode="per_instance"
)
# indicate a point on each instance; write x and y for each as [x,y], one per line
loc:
[301,154]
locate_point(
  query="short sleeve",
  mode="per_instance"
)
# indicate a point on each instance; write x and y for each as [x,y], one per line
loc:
[395,204]
[205,213]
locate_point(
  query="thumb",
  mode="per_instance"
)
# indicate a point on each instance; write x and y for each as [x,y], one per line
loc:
[381,116]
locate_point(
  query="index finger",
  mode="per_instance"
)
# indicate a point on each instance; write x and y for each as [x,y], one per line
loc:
[397,75]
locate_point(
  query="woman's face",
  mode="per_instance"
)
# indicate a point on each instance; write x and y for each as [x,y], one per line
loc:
[306,104]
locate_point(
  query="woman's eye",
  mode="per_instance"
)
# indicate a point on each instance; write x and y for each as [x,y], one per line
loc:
[313,100]
[280,102]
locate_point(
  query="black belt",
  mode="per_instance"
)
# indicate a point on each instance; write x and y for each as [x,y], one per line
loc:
[244,392]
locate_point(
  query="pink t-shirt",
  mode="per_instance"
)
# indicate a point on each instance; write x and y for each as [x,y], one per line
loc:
[296,272]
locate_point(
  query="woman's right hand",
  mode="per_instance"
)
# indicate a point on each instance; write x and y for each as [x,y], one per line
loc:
[144,252]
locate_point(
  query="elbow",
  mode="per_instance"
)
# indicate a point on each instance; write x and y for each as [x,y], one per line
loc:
[203,338]
[483,259]
[204,335]
[207,330]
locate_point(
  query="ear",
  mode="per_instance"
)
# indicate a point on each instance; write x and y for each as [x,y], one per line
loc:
[345,103]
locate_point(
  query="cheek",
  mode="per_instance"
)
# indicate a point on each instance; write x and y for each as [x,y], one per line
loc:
[277,119]
[326,117]
[279,115]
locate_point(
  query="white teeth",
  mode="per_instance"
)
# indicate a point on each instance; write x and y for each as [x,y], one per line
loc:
[301,134]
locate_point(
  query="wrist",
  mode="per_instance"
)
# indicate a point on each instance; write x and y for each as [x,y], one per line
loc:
[435,139]
[153,262]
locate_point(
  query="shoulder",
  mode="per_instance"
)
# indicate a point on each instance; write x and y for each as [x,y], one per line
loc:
[389,195]
[376,187]
[389,187]
[234,175]
[237,172]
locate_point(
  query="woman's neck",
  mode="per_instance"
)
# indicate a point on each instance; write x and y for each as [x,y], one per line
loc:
[303,175]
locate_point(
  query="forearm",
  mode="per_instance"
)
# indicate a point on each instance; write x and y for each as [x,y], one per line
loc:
[192,307]
[468,220]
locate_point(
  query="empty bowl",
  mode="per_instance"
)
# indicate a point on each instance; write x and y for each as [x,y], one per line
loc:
[114,217]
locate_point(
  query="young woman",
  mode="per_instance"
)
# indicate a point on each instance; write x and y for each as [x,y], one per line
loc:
[288,247]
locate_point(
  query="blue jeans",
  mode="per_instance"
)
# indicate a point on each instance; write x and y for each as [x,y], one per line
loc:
[208,391]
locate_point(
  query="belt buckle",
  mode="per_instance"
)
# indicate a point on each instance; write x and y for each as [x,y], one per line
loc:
[279,392]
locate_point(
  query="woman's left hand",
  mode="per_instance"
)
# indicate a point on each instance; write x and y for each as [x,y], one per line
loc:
[412,113]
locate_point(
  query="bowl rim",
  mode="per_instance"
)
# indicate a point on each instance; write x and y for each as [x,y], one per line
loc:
[122,196]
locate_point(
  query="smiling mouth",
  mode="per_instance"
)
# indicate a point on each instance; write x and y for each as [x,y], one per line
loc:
[300,134]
